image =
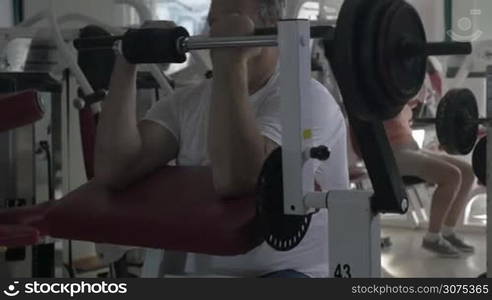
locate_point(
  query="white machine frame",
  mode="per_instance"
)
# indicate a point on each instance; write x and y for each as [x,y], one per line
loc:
[489,167]
[354,246]
[354,251]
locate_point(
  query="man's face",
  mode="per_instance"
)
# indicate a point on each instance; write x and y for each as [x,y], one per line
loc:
[220,8]
[251,8]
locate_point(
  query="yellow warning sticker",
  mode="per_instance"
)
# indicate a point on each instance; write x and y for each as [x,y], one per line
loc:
[308,134]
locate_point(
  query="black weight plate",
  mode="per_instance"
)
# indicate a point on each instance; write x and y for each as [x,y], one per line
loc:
[346,53]
[342,54]
[370,78]
[282,232]
[480,161]
[443,118]
[97,65]
[402,75]
[457,122]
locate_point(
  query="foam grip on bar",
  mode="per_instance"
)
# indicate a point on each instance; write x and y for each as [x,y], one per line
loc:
[97,64]
[20,109]
[154,45]
[98,43]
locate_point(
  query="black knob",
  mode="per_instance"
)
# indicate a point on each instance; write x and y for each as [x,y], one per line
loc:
[320,153]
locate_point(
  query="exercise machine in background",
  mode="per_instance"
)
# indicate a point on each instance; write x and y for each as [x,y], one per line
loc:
[42,161]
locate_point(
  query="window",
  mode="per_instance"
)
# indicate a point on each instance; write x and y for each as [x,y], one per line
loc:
[191,14]
[6,13]
[310,10]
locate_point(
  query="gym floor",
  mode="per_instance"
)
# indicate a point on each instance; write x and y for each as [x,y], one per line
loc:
[406,258]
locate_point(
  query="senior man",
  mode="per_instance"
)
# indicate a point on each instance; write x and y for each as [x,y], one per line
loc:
[230,123]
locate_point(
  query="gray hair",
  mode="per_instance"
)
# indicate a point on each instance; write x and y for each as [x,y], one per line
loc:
[272,10]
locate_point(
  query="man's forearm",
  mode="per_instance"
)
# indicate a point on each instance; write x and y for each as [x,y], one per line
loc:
[236,147]
[118,140]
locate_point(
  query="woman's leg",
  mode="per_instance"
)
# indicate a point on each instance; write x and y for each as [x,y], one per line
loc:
[458,206]
[462,197]
[435,170]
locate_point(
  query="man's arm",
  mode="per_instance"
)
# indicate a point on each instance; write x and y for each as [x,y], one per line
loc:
[237,149]
[125,150]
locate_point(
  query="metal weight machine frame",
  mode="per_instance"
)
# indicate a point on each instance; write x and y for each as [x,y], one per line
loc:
[489,167]
[67,80]
[354,248]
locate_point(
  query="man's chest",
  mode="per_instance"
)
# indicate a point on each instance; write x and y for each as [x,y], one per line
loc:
[193,142]
[194,133]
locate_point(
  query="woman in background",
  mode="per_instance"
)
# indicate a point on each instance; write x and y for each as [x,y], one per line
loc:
[453,177]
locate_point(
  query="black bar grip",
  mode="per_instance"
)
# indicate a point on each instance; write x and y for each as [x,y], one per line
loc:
[266,31]
[87,100]
[321,31]
[96,97]
[95,43]
[154,45]
[448,48]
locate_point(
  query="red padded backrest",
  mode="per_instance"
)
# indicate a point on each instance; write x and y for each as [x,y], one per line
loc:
[176,208]
[19,109]
[18,236]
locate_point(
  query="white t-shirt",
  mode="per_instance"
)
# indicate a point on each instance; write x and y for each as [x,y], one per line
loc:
[186,114]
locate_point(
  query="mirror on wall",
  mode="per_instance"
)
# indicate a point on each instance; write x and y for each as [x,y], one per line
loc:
[6,13]
[191,14]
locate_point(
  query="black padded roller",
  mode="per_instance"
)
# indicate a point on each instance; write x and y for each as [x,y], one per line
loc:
[97,63]
[154,45]
[95,43]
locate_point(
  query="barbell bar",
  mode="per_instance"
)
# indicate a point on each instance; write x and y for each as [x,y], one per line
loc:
[436,48]
[178,41]
[377,51]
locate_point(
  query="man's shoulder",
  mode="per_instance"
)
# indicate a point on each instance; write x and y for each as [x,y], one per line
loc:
[319,95]
[323,99]
[319,91]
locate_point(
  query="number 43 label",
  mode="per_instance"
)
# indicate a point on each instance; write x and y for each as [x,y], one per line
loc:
[342,271]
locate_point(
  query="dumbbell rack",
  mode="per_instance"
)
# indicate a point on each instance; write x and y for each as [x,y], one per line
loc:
[489,168]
